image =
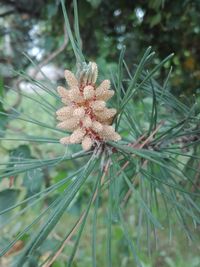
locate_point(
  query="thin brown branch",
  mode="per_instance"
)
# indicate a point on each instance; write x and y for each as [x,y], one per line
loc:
[129,192]
[73,231]
[52,55]
[106,168]
[40,65]
[135,145]
[79,221]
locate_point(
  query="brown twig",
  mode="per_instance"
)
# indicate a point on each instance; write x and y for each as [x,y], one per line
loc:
[52,55]
[37,69]
[129,192]
[135,145]
[79,221]
[137,142]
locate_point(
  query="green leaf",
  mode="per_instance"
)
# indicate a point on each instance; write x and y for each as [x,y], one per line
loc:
[155,20]
[94,3]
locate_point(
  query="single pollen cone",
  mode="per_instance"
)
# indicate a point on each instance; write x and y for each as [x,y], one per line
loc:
[89,92]
[85,114]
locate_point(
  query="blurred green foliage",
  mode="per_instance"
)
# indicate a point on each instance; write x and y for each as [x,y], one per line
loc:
[169,26]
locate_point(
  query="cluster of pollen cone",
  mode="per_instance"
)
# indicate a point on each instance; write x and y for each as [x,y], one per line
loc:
[85,114]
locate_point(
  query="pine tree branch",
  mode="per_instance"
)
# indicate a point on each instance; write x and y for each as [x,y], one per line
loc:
[79,221]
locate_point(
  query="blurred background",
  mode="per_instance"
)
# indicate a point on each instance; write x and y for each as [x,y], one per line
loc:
[36,28]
